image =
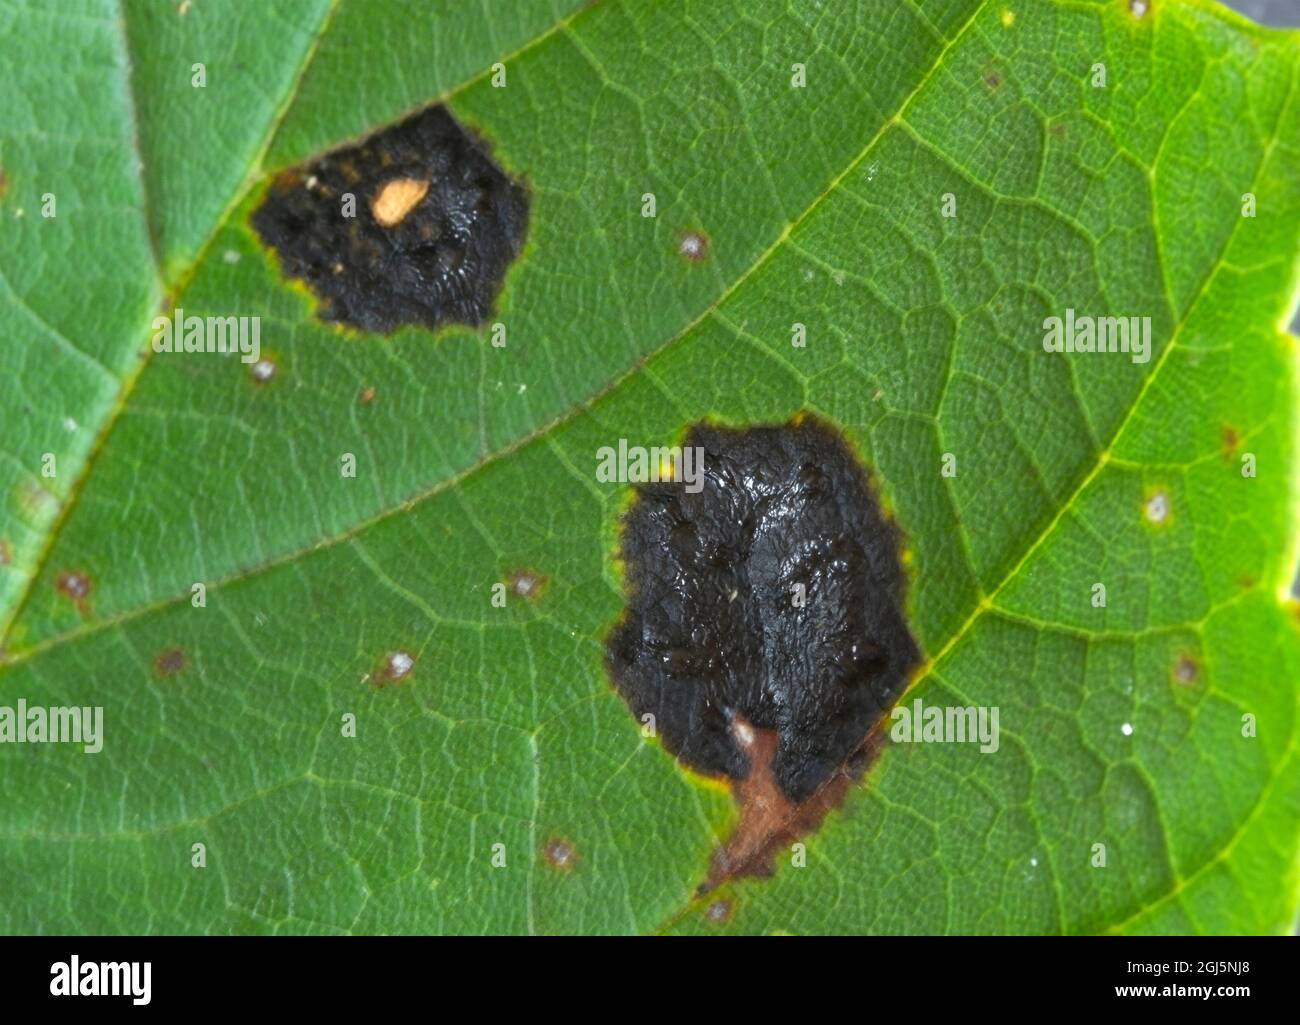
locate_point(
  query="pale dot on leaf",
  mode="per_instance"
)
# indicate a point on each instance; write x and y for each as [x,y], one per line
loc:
[399,664]
[694,246]
[262,370]
[1127,729]
[1156,509]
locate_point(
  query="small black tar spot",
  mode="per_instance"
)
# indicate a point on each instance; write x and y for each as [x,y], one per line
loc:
[436,224]
[772,598]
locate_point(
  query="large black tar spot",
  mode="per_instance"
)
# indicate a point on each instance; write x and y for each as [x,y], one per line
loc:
[714,637]
[441,260]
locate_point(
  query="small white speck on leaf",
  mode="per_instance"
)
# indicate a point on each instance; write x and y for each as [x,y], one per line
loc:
[399,664]
[1127,729]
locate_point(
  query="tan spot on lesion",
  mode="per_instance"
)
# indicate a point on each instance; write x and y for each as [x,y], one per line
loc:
[396,199]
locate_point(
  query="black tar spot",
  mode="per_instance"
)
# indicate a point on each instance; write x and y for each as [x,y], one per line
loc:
[442,261]
[713,631]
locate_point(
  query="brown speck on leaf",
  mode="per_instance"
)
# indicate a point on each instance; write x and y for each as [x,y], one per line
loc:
[4,183]
[75,586]
[993,78]
[367,396]
[169,661]
[6,552]
[1057,130]
[396,199]
[559,854]
[694,246]
[527,583]
[1185,669]
[1231,439]
[718,911]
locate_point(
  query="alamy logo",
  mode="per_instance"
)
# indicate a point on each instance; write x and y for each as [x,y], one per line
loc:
[1098,334]
[945,724]
[179,333]
[635,464]
[132,979]
[57,724]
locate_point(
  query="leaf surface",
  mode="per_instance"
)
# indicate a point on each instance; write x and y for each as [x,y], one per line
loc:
[1120,725]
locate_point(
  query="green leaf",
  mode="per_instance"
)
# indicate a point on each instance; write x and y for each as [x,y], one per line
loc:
[1120,725]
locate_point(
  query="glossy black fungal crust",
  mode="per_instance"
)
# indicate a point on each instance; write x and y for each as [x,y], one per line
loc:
[443,261]
[713,633]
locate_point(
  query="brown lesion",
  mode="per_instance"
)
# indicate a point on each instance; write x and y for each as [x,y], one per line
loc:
[1231,441]
[694,245]
[170,661]
[769,820]
[560,854]
[526,583]
[1185,670]
[75,585]
[395,667]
